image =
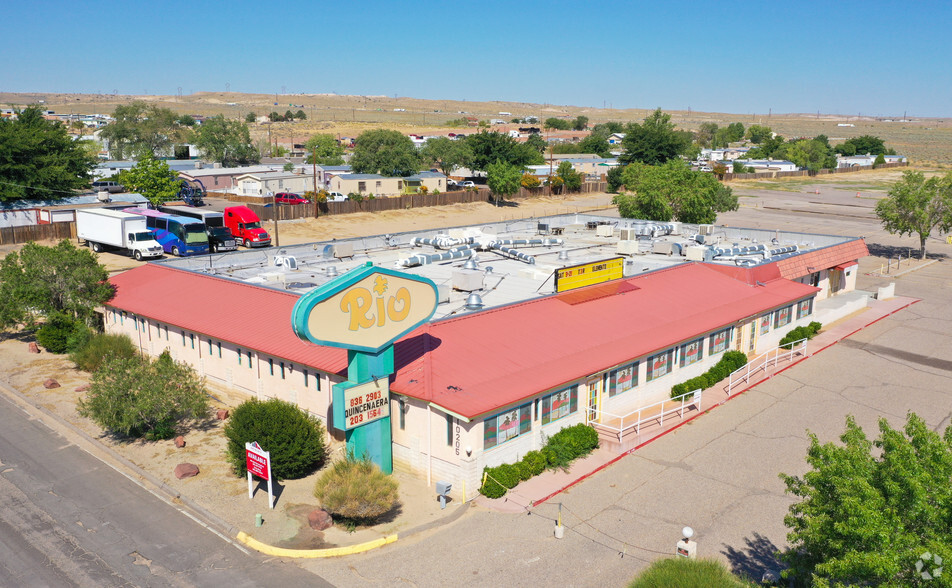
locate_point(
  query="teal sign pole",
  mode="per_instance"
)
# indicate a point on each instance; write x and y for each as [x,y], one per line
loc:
[365,311]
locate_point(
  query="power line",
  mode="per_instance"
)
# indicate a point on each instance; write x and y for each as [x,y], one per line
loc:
[73,193]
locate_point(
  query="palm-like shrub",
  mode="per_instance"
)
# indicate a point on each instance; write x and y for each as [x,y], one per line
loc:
[294,438]
[356,489]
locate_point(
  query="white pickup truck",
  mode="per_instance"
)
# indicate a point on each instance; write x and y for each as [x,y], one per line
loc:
[103,229]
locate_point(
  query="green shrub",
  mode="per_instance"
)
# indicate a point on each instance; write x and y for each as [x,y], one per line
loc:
[682,572]
[798,333]
[730,361]
[294,438]
[578,439]
[523,469]
[499,480]
[535,461]
[356,489]
[142,398]
[78,339]
[734,359]
[101,347]
[55,333]
[815,327]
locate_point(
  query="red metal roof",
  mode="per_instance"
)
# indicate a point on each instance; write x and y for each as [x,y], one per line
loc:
[480,362]
[249,316]
[801,265]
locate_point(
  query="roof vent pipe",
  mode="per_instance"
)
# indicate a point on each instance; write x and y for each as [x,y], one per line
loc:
[474,302]
[564,255]
[470,264]
[331,271]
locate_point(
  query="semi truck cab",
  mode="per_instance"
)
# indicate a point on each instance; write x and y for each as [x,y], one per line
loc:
[245,225]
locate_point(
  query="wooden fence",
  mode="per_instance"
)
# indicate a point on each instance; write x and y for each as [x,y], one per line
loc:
[803,172]
[23,234]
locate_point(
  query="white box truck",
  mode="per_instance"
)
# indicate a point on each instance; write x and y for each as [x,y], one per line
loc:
[102,229]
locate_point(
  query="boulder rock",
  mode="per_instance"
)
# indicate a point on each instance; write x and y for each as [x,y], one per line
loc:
[83,388]
[221,414]
[51,383]
[180,441]
[186,470]
[34,348]
[319,519]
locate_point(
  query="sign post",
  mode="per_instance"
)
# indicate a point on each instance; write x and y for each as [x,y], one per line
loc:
[364,311]
[259,464]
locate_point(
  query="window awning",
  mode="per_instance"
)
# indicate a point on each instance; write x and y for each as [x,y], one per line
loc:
[844,266]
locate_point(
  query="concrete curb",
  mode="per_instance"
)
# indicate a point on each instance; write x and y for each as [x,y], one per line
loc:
[314,553]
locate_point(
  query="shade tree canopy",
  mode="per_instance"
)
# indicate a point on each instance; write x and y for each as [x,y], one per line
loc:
[39,160]
[916,205]
[226,141]
[152,178]
[446,154]
[673,192]
[323,149]
[385,152]
[654,141]
[490,147]
[142,129]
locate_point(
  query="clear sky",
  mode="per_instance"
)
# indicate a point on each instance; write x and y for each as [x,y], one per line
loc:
[844,57]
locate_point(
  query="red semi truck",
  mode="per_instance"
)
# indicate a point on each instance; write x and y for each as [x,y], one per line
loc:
[245,225]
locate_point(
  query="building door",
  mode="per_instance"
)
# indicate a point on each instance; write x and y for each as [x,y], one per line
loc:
[753,334]
[594,400]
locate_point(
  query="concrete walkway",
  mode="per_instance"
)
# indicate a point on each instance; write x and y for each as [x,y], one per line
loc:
[541,488]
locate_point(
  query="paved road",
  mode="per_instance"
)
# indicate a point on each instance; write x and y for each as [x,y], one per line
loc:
[67,519]
[720,473]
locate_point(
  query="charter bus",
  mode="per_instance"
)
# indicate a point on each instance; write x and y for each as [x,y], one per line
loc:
[178,235]
[219,237]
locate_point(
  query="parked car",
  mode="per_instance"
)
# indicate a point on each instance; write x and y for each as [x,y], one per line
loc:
[336,197]
[466,184]
[106,186]
[289,198]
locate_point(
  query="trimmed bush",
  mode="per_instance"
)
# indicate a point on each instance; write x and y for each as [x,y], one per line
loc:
[522,468]
[499,480]
[679,571]
[101,347]
[357,490]
[142,398]
[55,333]
[578,440]
[730,361]
[294,438]
[535,461]
[798,333]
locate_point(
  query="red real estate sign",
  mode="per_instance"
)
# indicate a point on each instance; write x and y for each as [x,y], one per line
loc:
[257,461]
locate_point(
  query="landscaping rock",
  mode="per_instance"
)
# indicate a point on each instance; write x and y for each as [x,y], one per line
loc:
[51,383]
[222,414]
[320,519]
[180,441]
[34,348]
[83,388]
[186,470]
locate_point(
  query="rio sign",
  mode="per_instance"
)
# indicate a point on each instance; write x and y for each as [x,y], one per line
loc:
[365,309]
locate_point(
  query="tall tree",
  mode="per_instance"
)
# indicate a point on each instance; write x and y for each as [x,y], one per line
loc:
[868,512]
[654,142]
[490,147]
[325,148]
[862,145]
[226,141]
[153,179]
[580,123]
[503,179]
[537,143]
[595,143]
[758,133]
[40,280]
[446,154]
[385,152]
[142,129]
[706,134]
[673,192]
[917,205]
[571,179]
[39,160]
[809,154]
[558,124]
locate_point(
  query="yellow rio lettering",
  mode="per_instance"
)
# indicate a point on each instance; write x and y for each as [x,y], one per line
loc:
[403,296]
[358,303]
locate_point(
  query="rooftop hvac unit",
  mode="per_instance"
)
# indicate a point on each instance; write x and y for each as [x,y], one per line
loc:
[627,247]
[663,247]
[705,229]
[467,280]
[287,261]
[695,252]
[627,234]
[443,293]
[604,231]
[343,250]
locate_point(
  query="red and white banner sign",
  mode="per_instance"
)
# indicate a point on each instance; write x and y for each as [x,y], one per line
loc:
[258,461]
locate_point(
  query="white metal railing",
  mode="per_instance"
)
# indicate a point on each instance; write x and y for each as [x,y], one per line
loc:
[637,417]
[763,361]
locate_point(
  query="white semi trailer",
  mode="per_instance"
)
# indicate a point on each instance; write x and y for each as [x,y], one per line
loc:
[102,229]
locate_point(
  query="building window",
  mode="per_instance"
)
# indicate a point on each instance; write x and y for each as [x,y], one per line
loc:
[249,360]
[361,187]
[804,308]
[692,352]
[782,317]
[379,185]
[559,404]
[403,414]
[239,356]
[210,347]
[219,350]
[660,364]
[765,324]
[282,370]
[719,341]
[815,279]
[191,338]
[122,318]
[622,379]
[271,366]
[507,425]
[305,378]
[449,431]
[183,338]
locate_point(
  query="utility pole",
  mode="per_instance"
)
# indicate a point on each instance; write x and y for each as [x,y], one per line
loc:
[274,216]
[314,171]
